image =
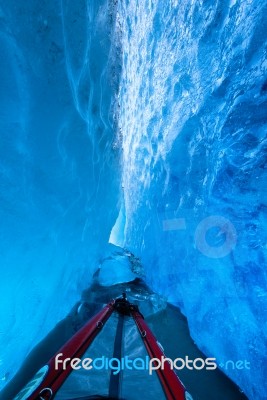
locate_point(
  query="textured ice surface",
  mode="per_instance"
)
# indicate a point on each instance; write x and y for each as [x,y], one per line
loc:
[116,268]
[192,112]
[184,85]
[58,167]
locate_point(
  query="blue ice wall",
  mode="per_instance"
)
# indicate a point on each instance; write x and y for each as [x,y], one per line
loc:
[193,120]
[58,164]
[183,85]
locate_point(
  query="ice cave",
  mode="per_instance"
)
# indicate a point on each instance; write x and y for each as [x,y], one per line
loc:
[133,146]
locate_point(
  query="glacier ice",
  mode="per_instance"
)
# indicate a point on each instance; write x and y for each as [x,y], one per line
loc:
[192,109]
[58,165]
[132,122]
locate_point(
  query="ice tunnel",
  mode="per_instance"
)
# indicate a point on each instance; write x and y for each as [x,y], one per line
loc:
[142,125]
